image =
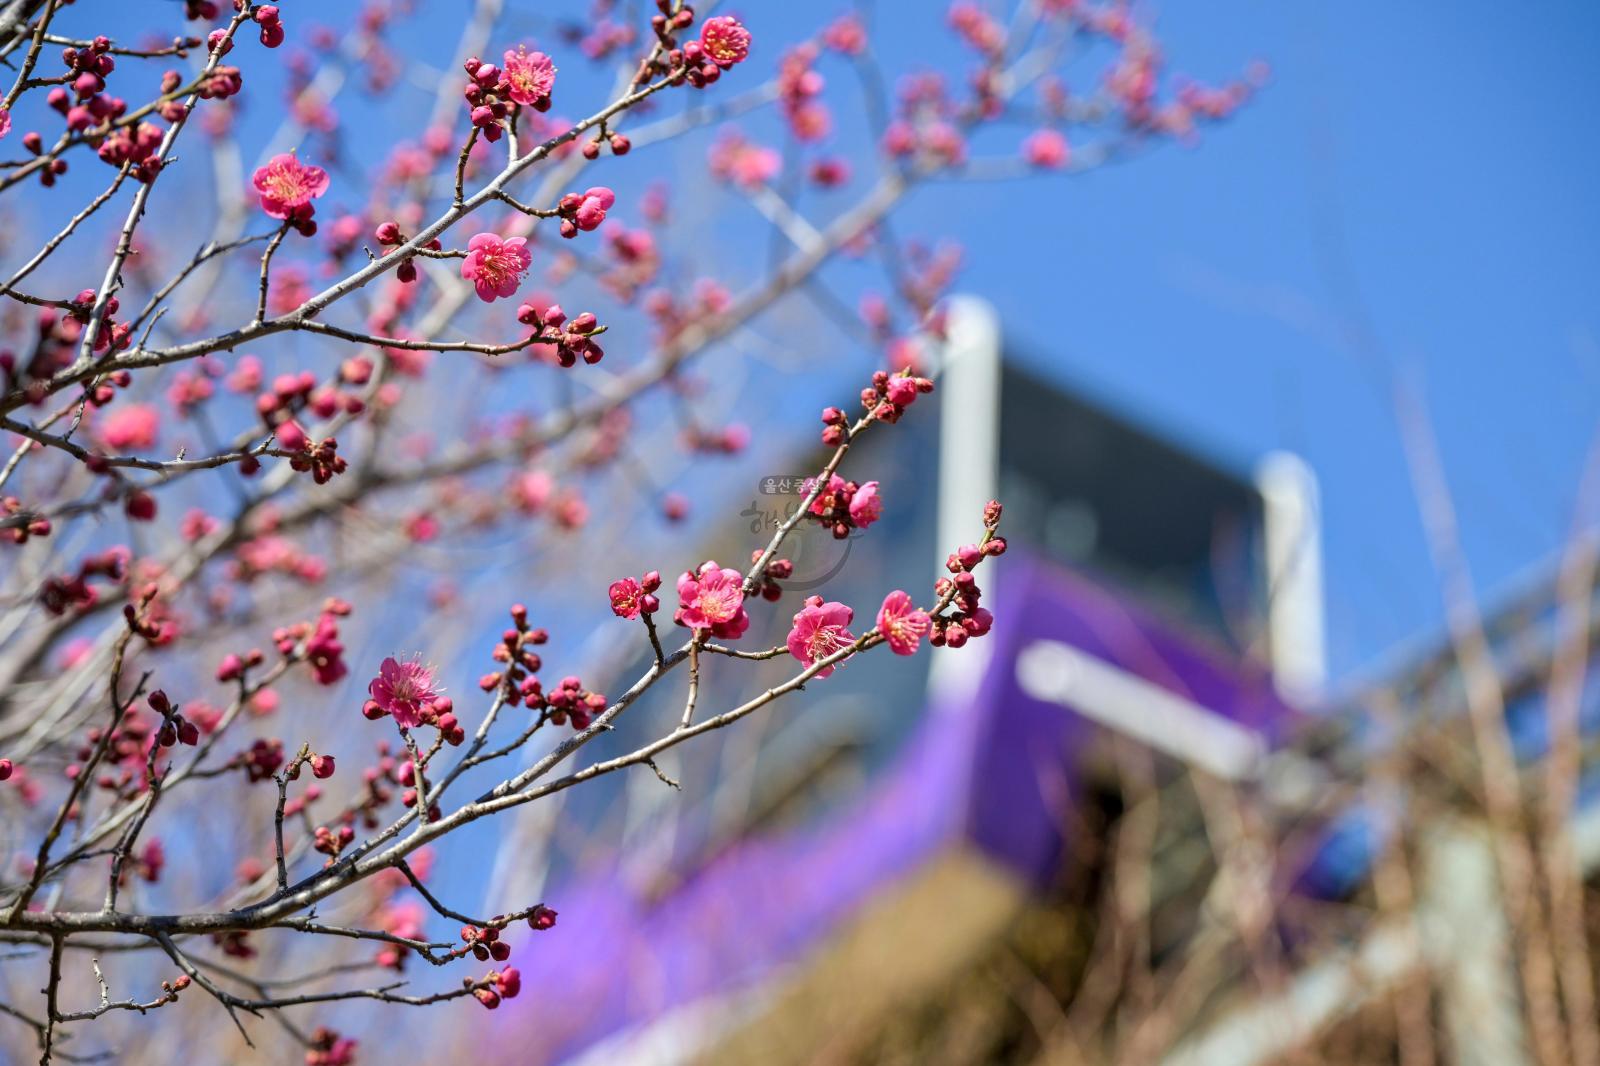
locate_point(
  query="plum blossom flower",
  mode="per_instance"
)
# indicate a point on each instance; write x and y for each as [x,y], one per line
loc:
[842,505]
[756,165]
[945,143]
[713,599]
[325,652]
[866,506]
[494,266]
[569,510]
[625,595]
[819,631]
[286,185]
[591,210]
[530,77]
[725,41]
[290,287]
[846,35]
[5,121]
[977,27]
[531,490]
[742,162]
[899,139]
[151,861]
[197,524]
[825,499]
[133,426]
[403,689]
[403,919]
[629,597]
[830,173]
[1046,149]
[902,623]
[902,391]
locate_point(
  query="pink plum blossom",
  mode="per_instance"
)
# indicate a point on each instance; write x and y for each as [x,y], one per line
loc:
[494,266]
[531,490]
[286,184]
[197,524]
[725,41]
[902,391]
[846,35]
[325,652]
[592,208]
[530,77]
[713,599]
[402,919]
[625,595]
[1046,149]
[747,165]
[825,498]
[570,510]
[819,631]
[133,426]
[902,623]
[945,143]
[630,598]
[866,506]
[403,689]
[291,287]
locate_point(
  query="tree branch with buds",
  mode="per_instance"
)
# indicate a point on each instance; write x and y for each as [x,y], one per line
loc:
[217,510]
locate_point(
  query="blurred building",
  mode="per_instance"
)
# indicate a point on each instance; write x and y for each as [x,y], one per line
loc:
[853,860]
[1396,835]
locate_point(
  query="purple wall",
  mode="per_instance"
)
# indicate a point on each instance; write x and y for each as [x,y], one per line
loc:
[995,770]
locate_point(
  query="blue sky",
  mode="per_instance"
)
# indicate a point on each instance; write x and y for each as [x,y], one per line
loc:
[1423,166]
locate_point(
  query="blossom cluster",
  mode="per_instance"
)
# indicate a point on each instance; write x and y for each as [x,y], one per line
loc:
[568,700]
[61,593]
[110,335]
[317,643]
[519,682]
[584,211]
[131,744]
[630,598]
[890,394]
[501,984]
[270,20]
[711,599]
[723,42]
[388,234]
[767,579]
[527,79]
[967,618]
[573,338]
[17,524]
[841,506]
[516,648]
